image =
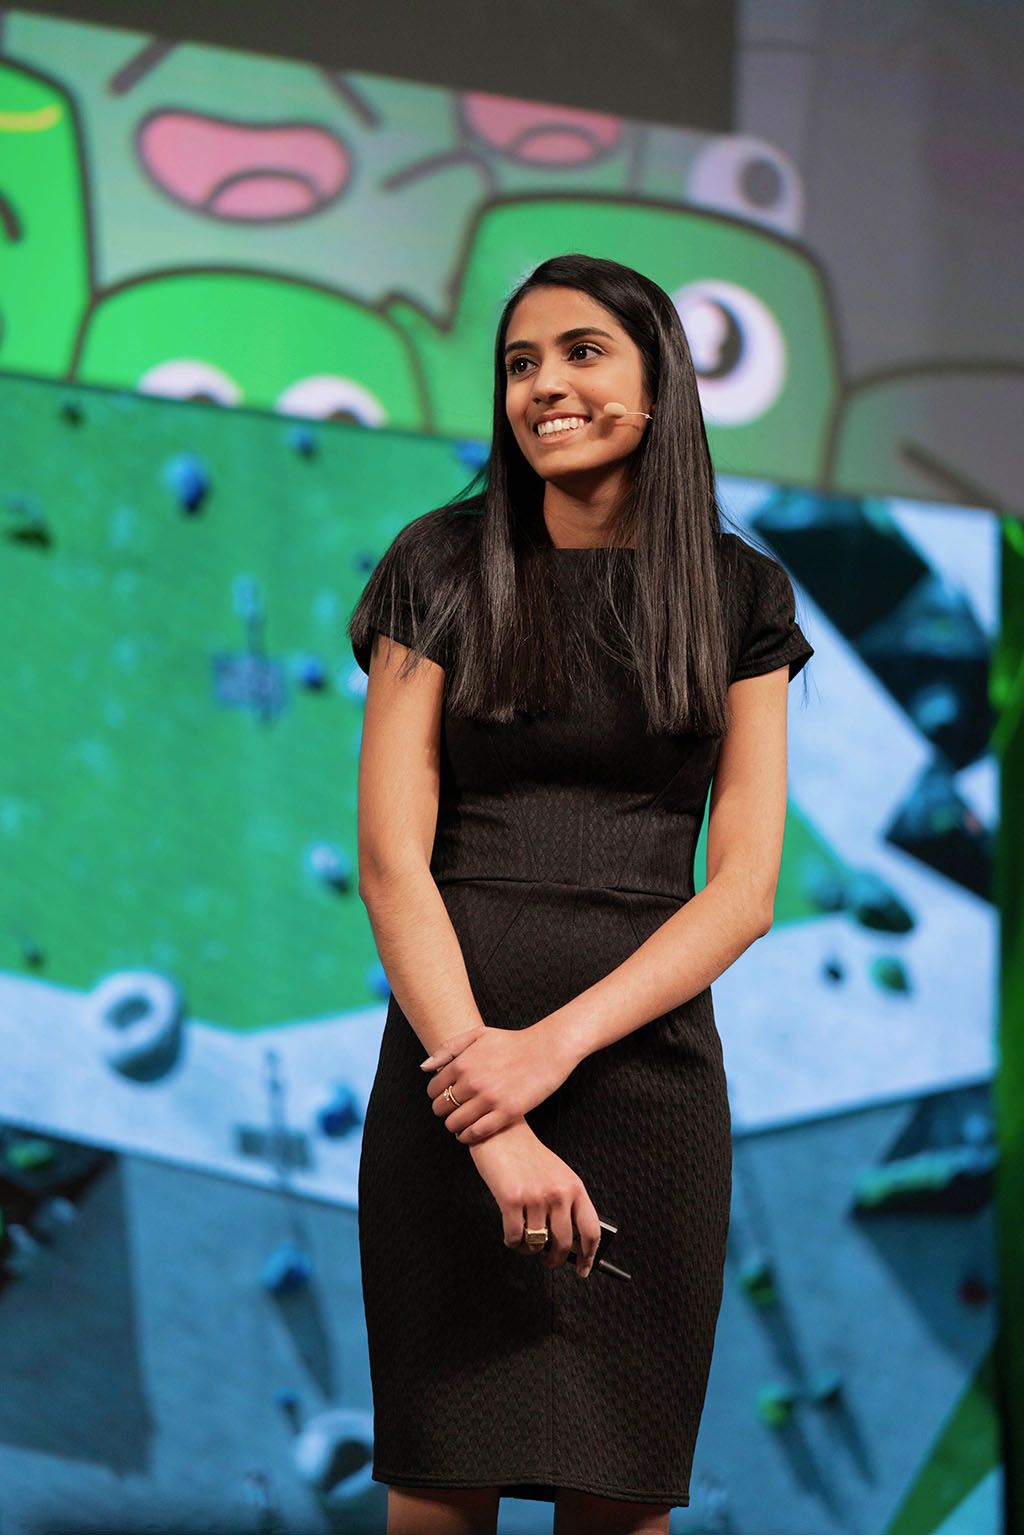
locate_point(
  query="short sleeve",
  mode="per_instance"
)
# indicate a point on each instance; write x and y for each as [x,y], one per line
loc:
[396,601]
[767,634]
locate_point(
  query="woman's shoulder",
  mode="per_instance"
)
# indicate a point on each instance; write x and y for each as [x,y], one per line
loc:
[748,576]
[760,606]
[408,594]
[428,545]
[740,556]
[448,527]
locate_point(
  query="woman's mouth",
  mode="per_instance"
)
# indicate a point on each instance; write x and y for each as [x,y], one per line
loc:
[560,426]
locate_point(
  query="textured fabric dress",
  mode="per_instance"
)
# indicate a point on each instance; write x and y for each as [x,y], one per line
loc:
[562,843]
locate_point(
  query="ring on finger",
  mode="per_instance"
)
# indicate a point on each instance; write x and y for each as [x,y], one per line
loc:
[536,1237]
[450,1096]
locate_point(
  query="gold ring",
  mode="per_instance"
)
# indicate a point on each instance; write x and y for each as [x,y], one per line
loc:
[451,1098]
[535,1238]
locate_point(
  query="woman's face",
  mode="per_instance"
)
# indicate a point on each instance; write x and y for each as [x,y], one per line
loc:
[566,357]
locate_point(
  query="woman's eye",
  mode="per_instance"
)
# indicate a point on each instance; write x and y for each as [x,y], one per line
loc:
[515,362]
[582,350]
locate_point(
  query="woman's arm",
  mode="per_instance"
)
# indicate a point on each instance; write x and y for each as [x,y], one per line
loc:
[499,1074]
[399,779]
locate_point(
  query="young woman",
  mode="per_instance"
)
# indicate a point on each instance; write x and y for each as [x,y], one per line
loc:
[573,659]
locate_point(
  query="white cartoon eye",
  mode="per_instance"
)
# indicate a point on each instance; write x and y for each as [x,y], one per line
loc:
[329,397]
[186,378]
[737,347]
[751,180]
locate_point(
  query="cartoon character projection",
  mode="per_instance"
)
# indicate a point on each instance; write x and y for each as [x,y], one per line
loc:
[753,305]
[44,264]
[344,193]
[237,338]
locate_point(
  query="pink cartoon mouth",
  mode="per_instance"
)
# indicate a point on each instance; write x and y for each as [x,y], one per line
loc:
[242,172]
[537,134]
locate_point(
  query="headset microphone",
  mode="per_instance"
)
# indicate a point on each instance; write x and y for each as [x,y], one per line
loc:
[617,411]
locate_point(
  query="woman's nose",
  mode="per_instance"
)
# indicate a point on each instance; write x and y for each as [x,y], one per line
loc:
[548,381]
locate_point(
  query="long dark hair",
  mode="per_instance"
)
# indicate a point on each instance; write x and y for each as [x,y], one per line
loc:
[519,644]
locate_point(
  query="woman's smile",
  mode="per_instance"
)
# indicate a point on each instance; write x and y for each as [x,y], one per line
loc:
[559,428]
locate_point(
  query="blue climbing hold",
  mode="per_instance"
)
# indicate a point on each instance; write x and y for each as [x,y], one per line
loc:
[311,672]
[287,1269]
[302,440]
[189,479]
[331,865]
[341,1115]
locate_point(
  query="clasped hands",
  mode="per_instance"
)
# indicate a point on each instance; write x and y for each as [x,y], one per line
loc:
[497,1075]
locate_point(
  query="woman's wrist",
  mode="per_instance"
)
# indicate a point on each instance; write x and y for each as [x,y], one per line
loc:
[562,1040]
[511,1133]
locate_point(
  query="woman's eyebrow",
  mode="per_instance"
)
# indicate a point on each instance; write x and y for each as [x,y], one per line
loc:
[567,335]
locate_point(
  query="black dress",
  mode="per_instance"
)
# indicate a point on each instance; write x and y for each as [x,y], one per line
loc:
[562,843]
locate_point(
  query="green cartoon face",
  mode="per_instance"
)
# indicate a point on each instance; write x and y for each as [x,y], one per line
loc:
[210,157]
[952,432]
[752,304]
[44,282]
[239,339]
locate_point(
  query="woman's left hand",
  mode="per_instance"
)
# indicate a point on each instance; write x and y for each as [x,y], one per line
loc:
[497,1075]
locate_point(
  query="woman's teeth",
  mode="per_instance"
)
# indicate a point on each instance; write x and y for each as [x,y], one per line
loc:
[562,424]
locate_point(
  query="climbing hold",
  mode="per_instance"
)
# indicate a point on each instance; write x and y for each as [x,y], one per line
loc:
[334,1454]
[774,1404]
[341,1115]
[137,1015]
[287,1402]
[875,905]
[189,479]
[953,1180]
[889,973]
[32,954]
[302,440]
[311,673]
[27,521]
[53,1217]
[757,1280]
[287,1269]
[31,1154]
[22,1251]
[331,865]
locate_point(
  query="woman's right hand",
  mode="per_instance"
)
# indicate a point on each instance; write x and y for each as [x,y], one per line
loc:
[534,1187]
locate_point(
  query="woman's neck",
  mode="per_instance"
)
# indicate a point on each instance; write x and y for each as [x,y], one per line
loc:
[582,521]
